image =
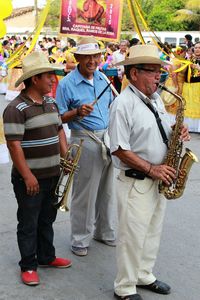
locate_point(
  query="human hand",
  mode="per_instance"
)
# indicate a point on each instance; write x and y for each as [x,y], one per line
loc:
[164,173]
[185,136]
[32,185]
[195,66]
[84,110]
[67,165]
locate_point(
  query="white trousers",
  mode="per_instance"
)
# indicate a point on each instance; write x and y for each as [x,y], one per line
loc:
[141,212]
[92,205]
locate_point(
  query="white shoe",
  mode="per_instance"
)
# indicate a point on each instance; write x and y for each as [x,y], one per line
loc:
[79,251]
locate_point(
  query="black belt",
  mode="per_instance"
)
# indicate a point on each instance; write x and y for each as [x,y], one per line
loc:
[136,174]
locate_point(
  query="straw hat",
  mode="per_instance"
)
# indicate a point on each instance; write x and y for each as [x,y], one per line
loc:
[36,63]
[142,54]
[88,46]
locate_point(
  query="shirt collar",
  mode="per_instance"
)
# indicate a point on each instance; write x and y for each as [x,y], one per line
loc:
[24,97]
[143,97]
[79,77]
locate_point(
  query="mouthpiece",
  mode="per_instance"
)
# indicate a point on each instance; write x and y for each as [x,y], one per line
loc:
[162,87]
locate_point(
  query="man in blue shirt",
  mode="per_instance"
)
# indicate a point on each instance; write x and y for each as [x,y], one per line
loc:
[92,192]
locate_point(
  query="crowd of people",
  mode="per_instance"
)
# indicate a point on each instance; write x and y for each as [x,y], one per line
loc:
[185,82]
[84,100]
[184,79]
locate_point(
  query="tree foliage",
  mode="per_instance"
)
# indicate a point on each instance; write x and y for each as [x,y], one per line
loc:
[161,16]
[54,15]
[190,14]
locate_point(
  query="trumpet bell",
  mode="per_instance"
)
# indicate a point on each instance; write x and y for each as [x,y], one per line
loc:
[68,166]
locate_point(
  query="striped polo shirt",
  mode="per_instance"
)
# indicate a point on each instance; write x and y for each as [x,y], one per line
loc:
[36,126]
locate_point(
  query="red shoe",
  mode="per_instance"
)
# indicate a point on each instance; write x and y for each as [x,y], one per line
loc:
[59,263]
[30,277]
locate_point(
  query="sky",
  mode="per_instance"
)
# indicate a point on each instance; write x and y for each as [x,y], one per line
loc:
[22,3]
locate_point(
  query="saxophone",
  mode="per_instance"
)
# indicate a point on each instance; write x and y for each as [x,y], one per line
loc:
[182,165]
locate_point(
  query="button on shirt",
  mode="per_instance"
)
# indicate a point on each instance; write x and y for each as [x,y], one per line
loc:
[133,127]
[74,90]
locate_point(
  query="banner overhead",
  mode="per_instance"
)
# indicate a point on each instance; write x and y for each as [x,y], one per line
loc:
[100,18]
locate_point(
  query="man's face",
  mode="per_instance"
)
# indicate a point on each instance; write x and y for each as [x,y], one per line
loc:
[146,78]
[44,82]
[197,50]
[123,47]
[88,64]
[7,46]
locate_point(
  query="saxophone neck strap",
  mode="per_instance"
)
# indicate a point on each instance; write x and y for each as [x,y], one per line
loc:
[158,121]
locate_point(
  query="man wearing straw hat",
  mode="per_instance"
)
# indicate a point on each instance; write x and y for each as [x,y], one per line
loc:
[92,192]
[35,139]
[138,150]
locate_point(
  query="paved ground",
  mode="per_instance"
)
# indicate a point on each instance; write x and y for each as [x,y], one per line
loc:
[92,277]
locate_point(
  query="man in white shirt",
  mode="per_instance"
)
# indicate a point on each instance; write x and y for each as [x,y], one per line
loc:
[138,150]
[119,56]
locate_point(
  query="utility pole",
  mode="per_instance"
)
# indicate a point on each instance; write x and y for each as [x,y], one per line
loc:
[36,11]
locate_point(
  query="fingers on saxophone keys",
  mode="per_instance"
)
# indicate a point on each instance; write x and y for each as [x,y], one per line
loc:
[168,180]
[169,175]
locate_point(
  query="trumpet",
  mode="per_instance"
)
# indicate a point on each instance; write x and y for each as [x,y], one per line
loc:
[69,162]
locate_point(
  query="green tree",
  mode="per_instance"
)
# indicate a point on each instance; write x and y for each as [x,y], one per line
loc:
[161,16]
[190,14]
[54,15]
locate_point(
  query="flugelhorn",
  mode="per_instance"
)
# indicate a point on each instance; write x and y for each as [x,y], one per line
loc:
[68,163]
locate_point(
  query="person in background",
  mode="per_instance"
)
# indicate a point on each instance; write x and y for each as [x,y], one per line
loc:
[174,81]
[92,202]
[6,49]
[106,62]
[191,91]
[188,40]
[141,208]
[36,140]
[118,56]
[134,41]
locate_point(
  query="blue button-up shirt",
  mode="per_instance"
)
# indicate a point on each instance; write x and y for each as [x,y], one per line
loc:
[75,90]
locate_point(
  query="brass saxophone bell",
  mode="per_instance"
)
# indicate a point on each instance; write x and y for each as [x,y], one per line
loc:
[182,165]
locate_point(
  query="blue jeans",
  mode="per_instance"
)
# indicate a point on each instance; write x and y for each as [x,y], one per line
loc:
[35,216]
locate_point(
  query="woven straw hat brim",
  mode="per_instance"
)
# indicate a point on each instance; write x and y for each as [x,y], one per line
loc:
[141,60]
[37,71]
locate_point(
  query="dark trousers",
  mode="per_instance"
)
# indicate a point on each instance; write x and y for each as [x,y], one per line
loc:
[35,216]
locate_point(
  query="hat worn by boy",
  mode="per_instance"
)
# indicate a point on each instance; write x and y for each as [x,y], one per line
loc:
[36,63]
[88,46]
[142,54]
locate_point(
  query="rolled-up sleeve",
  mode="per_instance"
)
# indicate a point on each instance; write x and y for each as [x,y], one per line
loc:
[61,97]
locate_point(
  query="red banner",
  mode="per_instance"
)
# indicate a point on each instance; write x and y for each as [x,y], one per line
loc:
[100,18]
